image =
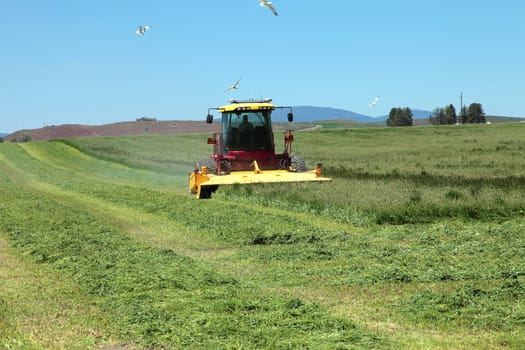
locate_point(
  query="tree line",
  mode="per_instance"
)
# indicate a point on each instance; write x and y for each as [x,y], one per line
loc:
[474,114]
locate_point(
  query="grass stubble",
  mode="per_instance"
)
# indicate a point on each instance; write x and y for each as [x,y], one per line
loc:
[391,254]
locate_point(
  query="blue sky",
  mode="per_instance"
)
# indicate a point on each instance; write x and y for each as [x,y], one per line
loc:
[69,62]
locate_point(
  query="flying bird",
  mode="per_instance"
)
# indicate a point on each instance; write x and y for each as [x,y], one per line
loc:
[265,3]
[142,29]
[374,102]
[234,86]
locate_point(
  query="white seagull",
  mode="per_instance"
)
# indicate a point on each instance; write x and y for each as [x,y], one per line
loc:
[266,3]
[374,102]
[234,86]
[142,29]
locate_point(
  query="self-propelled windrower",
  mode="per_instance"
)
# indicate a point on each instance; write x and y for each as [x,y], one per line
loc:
[244,151]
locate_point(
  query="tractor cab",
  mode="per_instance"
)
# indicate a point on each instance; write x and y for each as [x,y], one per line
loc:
[247,135]
[248,130]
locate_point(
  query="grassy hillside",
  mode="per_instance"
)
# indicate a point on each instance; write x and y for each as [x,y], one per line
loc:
[417,243]
[346,124]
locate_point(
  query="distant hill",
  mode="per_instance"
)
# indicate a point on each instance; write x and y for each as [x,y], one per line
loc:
[138,127]
[418,114]
[497,119]
[305,117]
[310,114]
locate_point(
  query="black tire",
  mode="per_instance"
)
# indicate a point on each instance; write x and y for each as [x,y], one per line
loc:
[297,164]
[211,167]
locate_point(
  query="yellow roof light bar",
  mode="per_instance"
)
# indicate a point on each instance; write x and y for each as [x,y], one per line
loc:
[246,106]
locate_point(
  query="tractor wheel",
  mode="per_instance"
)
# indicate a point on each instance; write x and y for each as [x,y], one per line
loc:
[298,164]
[211,168]
[210,165]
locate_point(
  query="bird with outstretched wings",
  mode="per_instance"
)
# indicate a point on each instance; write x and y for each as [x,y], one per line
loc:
[374,102]
[142,29]
[266,3]
[234,86]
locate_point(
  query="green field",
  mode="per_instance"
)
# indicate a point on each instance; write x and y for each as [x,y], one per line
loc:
[417,243]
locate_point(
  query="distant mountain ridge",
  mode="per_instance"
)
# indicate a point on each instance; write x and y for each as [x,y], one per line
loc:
[302,114]
[308,114]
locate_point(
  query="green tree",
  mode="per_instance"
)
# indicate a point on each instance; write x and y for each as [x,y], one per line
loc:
[437,117]
[475,114]
[442,116]
[450,116]
[400,117]
[1,140]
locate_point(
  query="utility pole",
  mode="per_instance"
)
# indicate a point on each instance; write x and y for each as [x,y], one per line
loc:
[461,108]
